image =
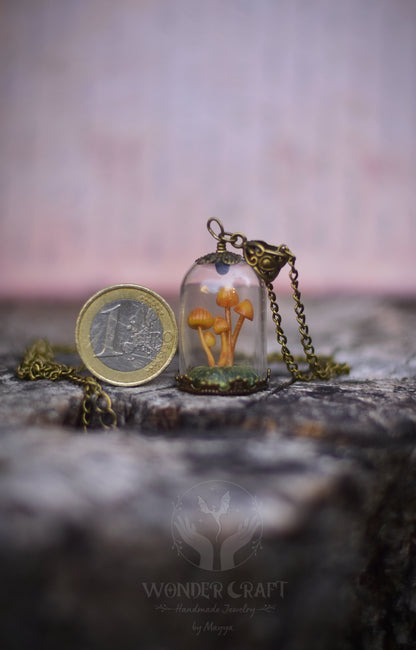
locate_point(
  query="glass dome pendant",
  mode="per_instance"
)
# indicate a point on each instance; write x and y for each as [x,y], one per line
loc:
[222,343]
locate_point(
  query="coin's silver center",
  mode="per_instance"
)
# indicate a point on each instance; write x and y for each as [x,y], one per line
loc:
[126,335]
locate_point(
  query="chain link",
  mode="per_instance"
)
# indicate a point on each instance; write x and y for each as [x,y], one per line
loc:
[236,239]
[39,363]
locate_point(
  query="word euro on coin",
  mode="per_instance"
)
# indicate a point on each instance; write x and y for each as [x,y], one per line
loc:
[126,335]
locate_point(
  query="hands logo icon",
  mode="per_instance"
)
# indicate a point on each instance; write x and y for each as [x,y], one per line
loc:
[216,525]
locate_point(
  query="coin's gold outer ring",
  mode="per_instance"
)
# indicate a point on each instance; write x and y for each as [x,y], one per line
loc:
[126,292]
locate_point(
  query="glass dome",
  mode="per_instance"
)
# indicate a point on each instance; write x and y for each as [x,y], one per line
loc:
[222,345]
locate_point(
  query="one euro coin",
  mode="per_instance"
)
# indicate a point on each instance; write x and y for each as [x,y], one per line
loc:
[126,334]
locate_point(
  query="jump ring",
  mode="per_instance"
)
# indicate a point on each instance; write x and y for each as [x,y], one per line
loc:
[220,236]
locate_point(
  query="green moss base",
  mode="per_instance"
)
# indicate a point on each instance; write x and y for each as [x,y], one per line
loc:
[229,380]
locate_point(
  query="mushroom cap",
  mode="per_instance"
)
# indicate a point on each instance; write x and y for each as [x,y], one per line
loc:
[227,297]
[200,317]
[220,325]
[245,308]
[209,338]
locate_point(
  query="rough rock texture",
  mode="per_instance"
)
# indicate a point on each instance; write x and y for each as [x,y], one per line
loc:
[98,544]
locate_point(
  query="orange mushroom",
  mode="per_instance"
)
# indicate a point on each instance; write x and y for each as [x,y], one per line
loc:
[221,327]
[210,339]
[245,310]
[227,297]
[201,319]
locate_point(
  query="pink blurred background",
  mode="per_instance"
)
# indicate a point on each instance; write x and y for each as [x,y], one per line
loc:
[125,125]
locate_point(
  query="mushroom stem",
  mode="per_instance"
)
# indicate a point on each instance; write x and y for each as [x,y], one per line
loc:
[236,332]
[227,297]
[228,333]
[221,327]
[211,360]
[225,359]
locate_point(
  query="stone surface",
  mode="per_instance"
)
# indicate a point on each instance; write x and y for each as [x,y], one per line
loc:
[89,522]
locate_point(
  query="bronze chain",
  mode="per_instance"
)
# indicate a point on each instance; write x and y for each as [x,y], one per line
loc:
[39,363]
[320,367]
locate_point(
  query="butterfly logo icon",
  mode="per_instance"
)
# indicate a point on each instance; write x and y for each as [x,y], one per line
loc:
[216,513]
